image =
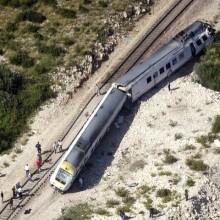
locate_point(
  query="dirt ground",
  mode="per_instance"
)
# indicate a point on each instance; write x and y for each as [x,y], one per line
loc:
[143,136]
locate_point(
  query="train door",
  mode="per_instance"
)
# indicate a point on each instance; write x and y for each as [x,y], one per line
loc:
[193,49]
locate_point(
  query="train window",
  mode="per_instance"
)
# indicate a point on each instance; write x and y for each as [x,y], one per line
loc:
[155,75]
[174,61]
[198,42]
[168,66]
[161,70]
[204,37]
[181,56]
[149,79]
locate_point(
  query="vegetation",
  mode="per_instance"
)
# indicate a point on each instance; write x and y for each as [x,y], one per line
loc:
[189,147]
[190,182]
[112,203]
[197,165]
[52,34]
[79,212]
[216,125]
[170,159]
[122,192]
[139,164]
[208,68]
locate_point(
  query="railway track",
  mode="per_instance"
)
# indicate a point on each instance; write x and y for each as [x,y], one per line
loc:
[31,188]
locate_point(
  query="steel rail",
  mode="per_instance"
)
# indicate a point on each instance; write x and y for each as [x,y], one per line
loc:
[176,9]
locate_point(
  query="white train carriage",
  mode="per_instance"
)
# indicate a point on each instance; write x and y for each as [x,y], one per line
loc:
[165,61]
[89,137]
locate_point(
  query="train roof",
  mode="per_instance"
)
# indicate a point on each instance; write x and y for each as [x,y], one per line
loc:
[171,47]
[98,121]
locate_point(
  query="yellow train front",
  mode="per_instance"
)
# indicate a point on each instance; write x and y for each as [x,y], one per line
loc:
[64,175]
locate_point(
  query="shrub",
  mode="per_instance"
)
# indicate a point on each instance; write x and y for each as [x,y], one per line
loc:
[163,193]
[189,147]
[101,211]
[103,3]
[217,150]
[138,164]
[165,173]
[190,182]
[203,141]
[31,16]
[148,203]
[78,212]
[176,179]
[197,165]
[112,203]
[178,136]
[6,164]
[53,50]
[32,28]
[172,123]
[11,27]
[144,189]
[83,8]
[216,124]
[66,13]
[21,58]
[170,159]
[122,192]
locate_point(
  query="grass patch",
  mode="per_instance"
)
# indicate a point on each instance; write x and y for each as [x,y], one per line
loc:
[165,194]
[6,164]
[217,150]
[139,164]
[178,136]
[142,190]
[170,159]
[101,211]
[197,165]
[176,179]
[165,173]
[216,125]
[148,203]
[112,203]
[81,211]
[189,147]
[190,182]
[122,192]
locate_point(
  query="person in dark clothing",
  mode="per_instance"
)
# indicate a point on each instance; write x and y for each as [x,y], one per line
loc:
[151,210]
[186,194]
[122,215]
[13,192]
[11,203]
[2,196]
[169,86]
[38,146]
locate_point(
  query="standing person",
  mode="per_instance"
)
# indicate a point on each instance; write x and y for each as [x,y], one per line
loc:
[151,210]
[13,192]
[39,164]
[30,177]
[55,145]
[186,195]
[38,146]
[59,143]
[97,90]
[2,196]
[169,86]
[39,156]
[27,170]
[11,203]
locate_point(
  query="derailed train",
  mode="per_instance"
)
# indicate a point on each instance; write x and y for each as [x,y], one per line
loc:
[140,79]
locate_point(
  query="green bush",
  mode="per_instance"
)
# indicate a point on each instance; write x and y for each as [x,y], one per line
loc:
[170,159]
[103,3]
[32,28]
[190,182]
[52,50]
[112,203]
[66,13]
[163,193]
[11,27]
[216,124]
[208,68]
[78,212]
[197,165]
[122,192]
[21,58]
[31,16]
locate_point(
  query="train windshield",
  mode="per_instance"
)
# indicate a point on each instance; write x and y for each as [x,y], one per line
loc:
[62,176]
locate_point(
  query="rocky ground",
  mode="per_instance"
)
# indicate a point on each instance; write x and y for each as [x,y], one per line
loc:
[132,157]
